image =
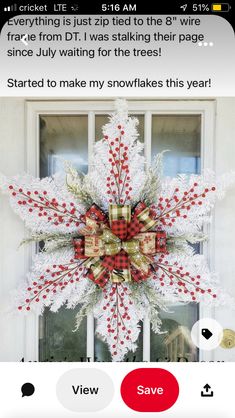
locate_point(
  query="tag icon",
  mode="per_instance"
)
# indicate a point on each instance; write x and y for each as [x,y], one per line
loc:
[206,333]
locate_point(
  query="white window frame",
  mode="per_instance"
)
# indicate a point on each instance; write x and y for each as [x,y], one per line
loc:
[36,108]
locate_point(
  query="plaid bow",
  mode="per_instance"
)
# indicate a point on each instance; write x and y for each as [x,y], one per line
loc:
[122,250]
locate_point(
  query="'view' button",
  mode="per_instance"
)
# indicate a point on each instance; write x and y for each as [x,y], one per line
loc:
[85,390]
[149,390]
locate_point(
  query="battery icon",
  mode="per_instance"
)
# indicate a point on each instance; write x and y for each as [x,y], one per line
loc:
[220,7]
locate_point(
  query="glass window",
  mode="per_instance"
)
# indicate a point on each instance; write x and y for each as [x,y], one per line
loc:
[101,120]
[57,342]
[181,136]
[62,138]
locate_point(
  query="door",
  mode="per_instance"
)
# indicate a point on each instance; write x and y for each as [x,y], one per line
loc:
[66,131]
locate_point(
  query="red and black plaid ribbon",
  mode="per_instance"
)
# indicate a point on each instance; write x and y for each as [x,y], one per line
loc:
[137,275]
[122,261]
[138,209]
[119,228]
[161,242]
[119,261]
[79,248]
[95,213]
[108,262]
[133,228]
[102,280]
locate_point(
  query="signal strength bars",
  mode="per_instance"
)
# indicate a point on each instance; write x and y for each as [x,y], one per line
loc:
[12,8]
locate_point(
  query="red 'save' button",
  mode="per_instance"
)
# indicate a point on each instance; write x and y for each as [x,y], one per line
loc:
[149,390]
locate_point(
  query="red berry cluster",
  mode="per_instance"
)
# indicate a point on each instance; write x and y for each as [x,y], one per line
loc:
[118,181]
[178,205]
[54,280]
[175,275]
[116,302]
[39,204]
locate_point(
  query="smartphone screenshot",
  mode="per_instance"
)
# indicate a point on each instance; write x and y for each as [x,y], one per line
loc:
[117,209]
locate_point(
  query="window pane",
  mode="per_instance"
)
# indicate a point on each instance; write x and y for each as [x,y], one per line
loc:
[102,352]
[57,342]
[101,120]
[181,135]
[62,138]
[175,344]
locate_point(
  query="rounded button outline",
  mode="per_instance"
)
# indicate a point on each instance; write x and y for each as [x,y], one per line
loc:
[76,380]
[154,378]
[201,341]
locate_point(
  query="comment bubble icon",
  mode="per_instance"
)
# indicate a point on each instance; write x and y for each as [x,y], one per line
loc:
[27,389]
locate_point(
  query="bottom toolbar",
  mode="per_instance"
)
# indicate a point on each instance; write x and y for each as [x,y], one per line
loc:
[116,390]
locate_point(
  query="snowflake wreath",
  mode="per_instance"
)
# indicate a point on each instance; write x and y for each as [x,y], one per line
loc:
[118,240]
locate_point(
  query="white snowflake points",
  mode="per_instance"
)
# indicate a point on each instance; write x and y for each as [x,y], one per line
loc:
[55,211]
[118,144]
[121,108]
